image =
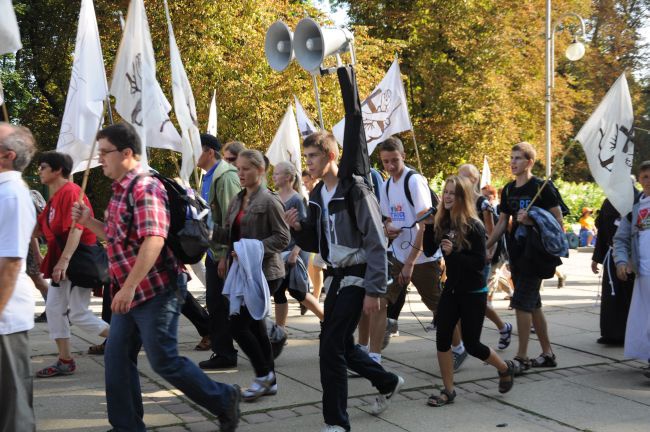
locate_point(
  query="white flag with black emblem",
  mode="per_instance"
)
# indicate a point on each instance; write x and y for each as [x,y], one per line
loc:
[305,126]
[9,33]
[286,142]
[86,94]
[138,96]
[607,141]
[184,107]
[385,111]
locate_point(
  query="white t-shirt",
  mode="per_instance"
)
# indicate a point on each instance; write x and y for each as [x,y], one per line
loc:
[643,222]
[326,197]
[397,207]
[18,218]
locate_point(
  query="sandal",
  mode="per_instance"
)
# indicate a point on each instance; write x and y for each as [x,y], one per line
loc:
[97,349]
[445,398]
[204,345]
[544,360]
[521,365]
[506,386]
[504,337]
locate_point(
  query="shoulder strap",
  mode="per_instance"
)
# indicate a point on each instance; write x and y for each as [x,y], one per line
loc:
[130,202]
[407,191]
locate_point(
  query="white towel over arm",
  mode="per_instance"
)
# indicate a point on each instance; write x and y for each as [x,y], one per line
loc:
[245,284]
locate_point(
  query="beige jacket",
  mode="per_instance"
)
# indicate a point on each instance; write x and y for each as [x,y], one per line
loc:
[263,220]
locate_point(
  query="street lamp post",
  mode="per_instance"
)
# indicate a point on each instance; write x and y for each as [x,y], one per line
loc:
[574,52]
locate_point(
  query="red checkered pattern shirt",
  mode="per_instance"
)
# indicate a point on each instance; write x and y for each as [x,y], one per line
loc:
[150,218]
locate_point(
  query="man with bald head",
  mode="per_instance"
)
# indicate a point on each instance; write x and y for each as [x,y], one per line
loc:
[18,218]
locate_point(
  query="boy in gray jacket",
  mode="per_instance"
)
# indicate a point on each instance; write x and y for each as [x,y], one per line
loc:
[344,226]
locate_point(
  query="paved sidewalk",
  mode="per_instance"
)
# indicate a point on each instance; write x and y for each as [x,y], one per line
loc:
[593,388]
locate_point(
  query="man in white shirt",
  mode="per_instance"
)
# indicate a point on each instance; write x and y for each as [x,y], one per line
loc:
[400,212]
[18,218]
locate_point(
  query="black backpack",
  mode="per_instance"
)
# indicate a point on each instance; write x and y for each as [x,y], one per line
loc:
[434,198]
[189,235]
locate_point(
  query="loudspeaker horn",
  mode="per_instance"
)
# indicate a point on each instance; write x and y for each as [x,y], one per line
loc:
[278,46]
[313,43]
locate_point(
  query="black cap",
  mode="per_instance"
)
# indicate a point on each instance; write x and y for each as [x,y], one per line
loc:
[211,141]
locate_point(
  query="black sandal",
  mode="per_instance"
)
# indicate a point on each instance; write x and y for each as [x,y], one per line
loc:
[506,386]
[521,365]
[544,360]
[445,398]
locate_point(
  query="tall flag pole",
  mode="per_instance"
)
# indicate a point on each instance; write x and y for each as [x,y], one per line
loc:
[86,94]
[185,108]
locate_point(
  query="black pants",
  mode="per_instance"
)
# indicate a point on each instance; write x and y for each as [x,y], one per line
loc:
[470,309]
[252,337]
[197,315]
[394,309]
[220,335]
[338,352]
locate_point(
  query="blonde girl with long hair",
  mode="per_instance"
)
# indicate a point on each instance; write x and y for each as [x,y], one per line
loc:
[461,237]
[288,185]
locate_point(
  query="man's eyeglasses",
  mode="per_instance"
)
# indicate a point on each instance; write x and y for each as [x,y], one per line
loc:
[230,159]
[103,153]
[42,167]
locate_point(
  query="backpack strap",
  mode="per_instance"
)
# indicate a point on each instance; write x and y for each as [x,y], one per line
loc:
[130,203]
[407,191]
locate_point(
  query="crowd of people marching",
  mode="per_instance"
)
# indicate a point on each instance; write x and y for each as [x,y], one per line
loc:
[360,241]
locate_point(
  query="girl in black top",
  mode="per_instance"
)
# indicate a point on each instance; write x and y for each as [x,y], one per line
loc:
[461,237]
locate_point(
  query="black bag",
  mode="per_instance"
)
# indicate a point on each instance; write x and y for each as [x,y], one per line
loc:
[188,235]
[88,267]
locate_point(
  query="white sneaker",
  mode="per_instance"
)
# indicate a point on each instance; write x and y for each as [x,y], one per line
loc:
[383,400]
[330,428]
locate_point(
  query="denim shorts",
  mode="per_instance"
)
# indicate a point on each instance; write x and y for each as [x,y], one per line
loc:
[526,296]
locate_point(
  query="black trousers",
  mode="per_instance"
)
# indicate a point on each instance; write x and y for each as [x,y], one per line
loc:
[469,308]
[220,335]
[252,337]
[343,308]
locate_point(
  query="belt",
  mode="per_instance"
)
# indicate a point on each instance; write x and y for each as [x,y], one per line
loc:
[358,270]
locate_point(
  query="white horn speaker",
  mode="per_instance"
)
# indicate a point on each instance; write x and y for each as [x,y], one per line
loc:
[313,43]
[278,46]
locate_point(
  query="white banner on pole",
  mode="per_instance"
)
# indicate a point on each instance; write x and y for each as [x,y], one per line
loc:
[286,143]
[212,119]
[607,141]
[486,174]
[184,107]
[138,96]
[305,125]
[86,94]
[9,33]
[385,111]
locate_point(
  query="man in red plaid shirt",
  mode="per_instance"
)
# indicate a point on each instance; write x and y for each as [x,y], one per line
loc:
[147,283]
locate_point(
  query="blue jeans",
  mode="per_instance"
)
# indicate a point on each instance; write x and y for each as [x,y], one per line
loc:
[153,324]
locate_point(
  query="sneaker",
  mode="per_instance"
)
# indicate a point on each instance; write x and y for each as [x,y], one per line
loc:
[432,326]
[383,400]
[58,368]
[459,359]
[229,419]
[331,428]
[42,318]
[303,309]
[504,337]
[391,328]
[218,362]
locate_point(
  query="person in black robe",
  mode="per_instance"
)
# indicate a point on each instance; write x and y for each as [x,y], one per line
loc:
[616,294]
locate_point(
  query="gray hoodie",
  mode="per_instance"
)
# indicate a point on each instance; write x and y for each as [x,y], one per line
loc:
[356,238]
